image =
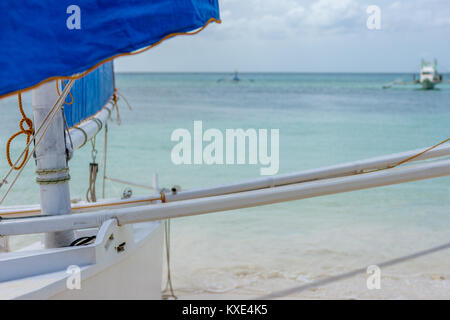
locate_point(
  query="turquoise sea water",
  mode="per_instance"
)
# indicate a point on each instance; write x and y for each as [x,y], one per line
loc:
[324,119]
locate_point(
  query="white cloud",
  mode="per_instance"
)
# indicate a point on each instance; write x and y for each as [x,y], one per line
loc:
[309,35]
[416,15]
[332,13]
[284,18]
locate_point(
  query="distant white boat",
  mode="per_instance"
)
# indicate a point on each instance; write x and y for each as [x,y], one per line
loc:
[429,76]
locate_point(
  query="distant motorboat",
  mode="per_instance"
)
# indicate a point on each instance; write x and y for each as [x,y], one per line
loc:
[429,75]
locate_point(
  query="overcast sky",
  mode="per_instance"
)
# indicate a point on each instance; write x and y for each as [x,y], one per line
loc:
[308,36]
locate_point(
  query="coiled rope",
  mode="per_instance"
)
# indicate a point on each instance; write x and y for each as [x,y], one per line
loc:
[28,132]
[46,181]
[48,119]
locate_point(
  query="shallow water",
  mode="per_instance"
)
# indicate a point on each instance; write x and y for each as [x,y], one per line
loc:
[323,119]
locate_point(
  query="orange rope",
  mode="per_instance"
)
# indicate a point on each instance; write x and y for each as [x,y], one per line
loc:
[407,159]
[114,96]
[28,132]
[59,93]
[421,153]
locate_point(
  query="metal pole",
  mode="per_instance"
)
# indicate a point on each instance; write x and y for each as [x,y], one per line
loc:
[51,162]
[162,211]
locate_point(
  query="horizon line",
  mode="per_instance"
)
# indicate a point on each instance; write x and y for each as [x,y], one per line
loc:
[285,72]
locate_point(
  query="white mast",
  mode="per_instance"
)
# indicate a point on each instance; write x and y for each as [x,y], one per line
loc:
[51,161]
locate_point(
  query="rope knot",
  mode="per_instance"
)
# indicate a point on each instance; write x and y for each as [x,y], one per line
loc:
[29,124]
[28,132]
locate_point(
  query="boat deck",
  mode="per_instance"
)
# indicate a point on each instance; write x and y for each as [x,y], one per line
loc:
[36,273]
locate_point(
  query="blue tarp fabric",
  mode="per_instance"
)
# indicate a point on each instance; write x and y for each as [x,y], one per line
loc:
[40,39]
[90,94]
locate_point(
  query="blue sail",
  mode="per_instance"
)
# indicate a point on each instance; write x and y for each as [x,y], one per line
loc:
[41,40]
[89,94]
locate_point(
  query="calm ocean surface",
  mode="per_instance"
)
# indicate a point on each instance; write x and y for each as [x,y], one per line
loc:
[324,119]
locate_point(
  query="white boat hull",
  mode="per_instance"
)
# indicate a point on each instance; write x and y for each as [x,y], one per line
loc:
[107,269]
[428,84]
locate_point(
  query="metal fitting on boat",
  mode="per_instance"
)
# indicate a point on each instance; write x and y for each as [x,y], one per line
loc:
[127,193]
[175,189]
